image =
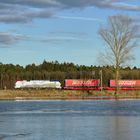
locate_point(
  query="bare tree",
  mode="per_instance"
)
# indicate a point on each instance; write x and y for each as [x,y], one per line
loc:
[120,36]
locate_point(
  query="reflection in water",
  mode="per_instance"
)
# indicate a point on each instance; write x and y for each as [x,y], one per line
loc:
[70,120]
[121,128]
[126,128]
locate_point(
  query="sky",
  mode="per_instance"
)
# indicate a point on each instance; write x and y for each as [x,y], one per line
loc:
[32,31]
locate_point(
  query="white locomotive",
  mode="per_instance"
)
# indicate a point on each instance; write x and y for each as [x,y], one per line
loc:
[37,84]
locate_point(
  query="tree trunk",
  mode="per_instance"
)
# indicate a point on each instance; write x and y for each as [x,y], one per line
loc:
[117,81]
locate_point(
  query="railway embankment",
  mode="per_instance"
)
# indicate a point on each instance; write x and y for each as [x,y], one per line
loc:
[53,94]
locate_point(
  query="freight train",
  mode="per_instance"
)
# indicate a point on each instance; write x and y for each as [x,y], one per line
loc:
[79,84]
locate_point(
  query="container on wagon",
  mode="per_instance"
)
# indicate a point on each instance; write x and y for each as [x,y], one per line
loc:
[125,83]
[81,83]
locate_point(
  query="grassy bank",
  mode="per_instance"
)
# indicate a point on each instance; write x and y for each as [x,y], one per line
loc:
[48,94]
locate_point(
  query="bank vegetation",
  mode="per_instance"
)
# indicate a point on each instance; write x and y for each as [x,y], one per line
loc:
[54,94]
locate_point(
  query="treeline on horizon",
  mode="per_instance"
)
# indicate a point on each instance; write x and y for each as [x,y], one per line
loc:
[54,70]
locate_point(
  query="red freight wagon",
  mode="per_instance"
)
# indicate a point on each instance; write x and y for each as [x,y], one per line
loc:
[125,83]
[80,83]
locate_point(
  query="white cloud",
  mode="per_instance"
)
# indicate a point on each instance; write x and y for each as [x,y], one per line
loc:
[81,18]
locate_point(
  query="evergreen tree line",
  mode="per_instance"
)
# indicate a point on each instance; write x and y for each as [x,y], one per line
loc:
[10,73]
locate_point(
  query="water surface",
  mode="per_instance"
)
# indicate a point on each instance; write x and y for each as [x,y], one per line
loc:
[70,120]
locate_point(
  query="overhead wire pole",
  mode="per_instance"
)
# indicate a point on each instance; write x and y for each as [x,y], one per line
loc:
[1,78]
[101,78]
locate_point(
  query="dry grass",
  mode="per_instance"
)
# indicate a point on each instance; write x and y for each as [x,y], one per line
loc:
[64,94]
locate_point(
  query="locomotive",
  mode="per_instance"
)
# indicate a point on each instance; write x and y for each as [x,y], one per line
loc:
[37,84]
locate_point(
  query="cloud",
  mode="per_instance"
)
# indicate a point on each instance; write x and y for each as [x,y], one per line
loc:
[81,18]
[125,6]
[23,11]
[119,4]
[61,40]
[59,37]
[68,33]
[10,38]
[7,38]
[21,14]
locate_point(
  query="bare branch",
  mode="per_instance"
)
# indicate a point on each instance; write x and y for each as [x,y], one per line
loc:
[120,37]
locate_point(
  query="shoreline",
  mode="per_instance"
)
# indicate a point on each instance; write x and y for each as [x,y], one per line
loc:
[71,99]
[54,94]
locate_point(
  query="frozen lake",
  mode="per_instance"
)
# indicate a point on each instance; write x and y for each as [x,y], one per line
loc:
[70,120]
